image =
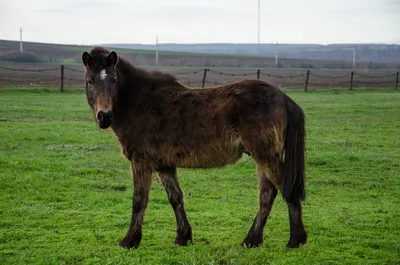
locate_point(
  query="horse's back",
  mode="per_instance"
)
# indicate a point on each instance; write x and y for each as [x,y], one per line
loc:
[204,127]
[226,119]
[248,102]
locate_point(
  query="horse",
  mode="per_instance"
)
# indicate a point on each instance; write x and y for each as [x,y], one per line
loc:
[162,125]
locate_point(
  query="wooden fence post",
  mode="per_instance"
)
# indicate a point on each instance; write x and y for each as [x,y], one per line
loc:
[62,79]
[351,80]
[204,77]
[307,78]
[258,73]
[397,80]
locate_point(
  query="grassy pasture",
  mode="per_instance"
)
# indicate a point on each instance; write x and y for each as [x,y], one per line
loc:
[66,189]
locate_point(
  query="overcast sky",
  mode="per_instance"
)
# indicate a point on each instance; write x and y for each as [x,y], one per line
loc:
[200,21]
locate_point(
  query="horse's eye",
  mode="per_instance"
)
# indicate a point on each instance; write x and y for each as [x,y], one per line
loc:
[113,81]
[90,82]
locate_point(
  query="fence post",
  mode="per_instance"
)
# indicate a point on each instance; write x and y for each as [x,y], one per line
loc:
[258,73]
[397,80]
[351,80]
[62,79]
[204,77]
[307,78]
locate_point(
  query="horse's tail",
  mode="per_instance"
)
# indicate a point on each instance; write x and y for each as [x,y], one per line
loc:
[294,154]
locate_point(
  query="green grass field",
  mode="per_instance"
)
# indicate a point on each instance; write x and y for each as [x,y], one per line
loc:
[66,189]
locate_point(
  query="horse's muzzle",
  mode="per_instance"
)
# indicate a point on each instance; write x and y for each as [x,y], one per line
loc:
[104,119]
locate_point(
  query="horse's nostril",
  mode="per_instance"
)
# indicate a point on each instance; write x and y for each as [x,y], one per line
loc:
[100,116]
[104,118]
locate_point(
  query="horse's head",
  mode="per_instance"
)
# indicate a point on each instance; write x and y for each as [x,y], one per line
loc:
[101,84]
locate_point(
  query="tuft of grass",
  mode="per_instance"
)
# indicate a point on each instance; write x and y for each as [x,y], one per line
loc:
[66,189]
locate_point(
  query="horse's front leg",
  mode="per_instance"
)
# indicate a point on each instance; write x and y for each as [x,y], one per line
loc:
[141,189]
[175,196]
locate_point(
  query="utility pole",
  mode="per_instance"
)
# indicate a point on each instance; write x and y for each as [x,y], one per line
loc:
[20,37]
[354,58]
[156,50]
[276,54]
[258,21]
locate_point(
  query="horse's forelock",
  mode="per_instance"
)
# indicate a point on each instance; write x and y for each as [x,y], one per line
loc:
[99,56]
[99,51]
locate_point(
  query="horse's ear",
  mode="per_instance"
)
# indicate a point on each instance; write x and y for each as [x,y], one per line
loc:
[86,59]
[112,59]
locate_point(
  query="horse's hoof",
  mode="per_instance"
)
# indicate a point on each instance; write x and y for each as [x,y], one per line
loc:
[251,243]
[184,238]
[128,243]
[296,241]
[182,243]
[185,241]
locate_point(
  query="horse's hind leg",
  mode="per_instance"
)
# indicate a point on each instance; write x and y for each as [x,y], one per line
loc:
[298,234]
[267,194]
[175,196]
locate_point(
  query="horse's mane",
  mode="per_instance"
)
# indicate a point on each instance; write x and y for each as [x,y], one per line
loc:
[99,53]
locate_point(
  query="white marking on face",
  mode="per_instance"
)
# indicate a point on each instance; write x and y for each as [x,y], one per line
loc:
[103,74]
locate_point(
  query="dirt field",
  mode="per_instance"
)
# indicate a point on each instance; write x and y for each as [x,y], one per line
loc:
[32,74]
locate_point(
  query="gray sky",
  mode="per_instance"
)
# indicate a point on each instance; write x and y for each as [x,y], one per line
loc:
[200,21]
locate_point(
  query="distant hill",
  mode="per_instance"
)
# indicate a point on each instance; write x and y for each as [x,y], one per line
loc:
[335,56]
[380,53]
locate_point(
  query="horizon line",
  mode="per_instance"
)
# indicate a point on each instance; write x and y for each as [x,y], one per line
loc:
[205,43]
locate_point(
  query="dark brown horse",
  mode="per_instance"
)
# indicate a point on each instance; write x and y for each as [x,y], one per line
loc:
[162,125]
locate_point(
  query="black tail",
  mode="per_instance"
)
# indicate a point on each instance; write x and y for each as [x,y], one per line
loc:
[294,159]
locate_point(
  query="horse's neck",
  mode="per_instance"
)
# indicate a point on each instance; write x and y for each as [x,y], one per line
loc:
[137,84]
[135,78]
[129,73]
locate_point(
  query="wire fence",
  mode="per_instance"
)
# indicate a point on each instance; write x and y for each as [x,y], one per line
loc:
[72,76]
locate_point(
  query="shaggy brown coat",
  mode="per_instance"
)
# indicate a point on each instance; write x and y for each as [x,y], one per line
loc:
[162,125]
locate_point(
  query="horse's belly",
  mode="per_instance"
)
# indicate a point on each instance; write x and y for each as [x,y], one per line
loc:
[211,156]
[207,162]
